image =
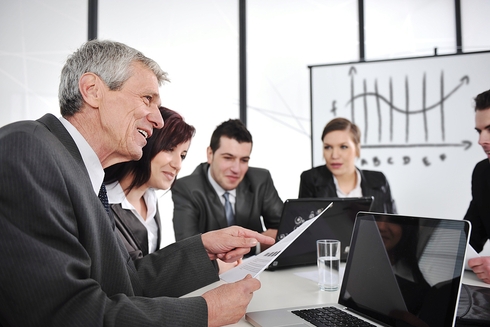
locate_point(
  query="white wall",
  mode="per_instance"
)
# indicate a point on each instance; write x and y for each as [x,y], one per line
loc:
[196,41]
[35,39]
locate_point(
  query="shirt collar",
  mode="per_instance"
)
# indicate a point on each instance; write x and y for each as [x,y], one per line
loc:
[356,192]
[115,194]
[89,157]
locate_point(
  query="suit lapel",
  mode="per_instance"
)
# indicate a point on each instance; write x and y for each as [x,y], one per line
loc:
[159,224]
[243,204]
[326,185]
[371,187]
[56,127]
[215,206]
[136,232]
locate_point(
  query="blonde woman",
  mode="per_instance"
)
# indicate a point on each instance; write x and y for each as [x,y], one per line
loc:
[340,177]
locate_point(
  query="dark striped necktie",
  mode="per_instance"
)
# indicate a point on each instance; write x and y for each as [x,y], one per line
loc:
[103,198]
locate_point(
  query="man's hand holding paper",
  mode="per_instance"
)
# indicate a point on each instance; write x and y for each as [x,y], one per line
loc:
[256,264]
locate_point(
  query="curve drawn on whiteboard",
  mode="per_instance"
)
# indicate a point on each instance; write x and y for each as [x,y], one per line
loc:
[404,110]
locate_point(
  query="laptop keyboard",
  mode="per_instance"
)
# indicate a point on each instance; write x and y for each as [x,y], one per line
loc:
[330,316]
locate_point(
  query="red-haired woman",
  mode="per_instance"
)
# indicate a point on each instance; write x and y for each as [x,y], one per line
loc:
[131,185]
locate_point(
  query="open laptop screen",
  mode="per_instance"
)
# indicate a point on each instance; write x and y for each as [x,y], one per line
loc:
[405,271]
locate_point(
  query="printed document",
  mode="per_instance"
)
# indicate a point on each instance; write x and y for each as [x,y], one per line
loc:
[256,264]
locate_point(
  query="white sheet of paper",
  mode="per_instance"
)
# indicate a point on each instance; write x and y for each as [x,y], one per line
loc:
[256,264]
[470,254]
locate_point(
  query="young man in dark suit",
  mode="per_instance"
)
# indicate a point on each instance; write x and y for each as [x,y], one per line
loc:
[200,203]
[62,262]
[479,210]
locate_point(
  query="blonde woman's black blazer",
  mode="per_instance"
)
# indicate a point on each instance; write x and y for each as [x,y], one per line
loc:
[318,183]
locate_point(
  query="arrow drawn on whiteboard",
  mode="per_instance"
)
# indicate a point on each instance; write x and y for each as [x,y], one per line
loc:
[466,144]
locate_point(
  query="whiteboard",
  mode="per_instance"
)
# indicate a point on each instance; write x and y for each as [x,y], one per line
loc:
[416,117]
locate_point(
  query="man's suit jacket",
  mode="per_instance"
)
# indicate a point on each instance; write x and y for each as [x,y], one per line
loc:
[318,183]
[133,232]
[62,263]
[479,210]
[198,209]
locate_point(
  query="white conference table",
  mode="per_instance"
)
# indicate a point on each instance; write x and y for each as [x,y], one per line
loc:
[284,289]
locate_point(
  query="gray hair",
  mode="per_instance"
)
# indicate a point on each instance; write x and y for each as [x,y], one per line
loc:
[109,60]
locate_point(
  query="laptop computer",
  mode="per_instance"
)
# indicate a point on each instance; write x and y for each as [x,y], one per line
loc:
[401,271]
[337,223]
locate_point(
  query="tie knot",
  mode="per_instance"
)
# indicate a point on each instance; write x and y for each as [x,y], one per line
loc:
[227,196]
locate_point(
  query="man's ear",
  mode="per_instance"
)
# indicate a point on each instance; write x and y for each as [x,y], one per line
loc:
[209,153]
[89,88]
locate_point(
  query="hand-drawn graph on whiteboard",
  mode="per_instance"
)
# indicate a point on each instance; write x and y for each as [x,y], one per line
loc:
[412,104]
[386,108]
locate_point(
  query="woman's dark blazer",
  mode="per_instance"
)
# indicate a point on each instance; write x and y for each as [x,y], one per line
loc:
[318,183]
[133,232]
